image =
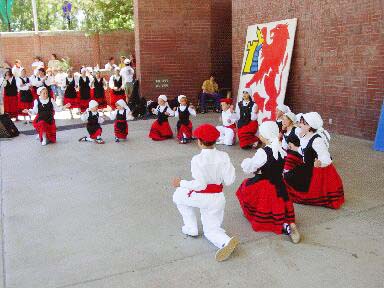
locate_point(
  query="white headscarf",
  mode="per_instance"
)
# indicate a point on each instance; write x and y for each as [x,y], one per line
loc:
[270,131]
[298,117]
[40,89]
[83,70]
[248,90]
[181,97]
[283,108]
[290,115]
[122,103]
[163,97]
[316,122]
[92,104]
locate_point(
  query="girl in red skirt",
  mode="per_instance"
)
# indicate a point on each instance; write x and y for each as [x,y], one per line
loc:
[44,108]
[160,129]
[316,181]
[84,87]
[184,125]
[25,100]
[70,93]
[246,111]
[291,136]
[99,87]
[264,198]
[121,115]
[10,95]
[116,85]
[93,123]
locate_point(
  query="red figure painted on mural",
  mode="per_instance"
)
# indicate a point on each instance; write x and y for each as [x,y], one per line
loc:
[273,54]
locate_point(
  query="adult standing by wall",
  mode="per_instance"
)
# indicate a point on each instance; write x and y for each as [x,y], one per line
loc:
[127,74]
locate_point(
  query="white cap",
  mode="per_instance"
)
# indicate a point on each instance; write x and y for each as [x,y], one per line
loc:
[270,131]
[248,90]
[163,97]
[127,61]
[290,115]
[316,122]
[41,89]
[83,70]
[283,108]
[121,103]
[181,97]
[92,104]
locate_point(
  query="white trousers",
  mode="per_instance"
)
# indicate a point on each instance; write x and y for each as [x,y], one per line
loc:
[227,135]
[212,213]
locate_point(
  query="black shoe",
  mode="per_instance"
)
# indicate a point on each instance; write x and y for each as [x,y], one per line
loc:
[83,139]
[117,140]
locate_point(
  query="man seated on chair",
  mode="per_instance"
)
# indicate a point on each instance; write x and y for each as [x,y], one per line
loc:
[210,91]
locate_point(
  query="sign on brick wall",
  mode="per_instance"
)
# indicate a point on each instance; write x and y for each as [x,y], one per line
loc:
[266,63]
[161,83]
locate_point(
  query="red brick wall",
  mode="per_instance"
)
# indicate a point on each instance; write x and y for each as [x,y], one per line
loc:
[174,41]
[81,49]
[338,59]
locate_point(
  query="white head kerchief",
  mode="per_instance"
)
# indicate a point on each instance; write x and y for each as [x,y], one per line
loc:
[270,131]
[316,122]
[122,103]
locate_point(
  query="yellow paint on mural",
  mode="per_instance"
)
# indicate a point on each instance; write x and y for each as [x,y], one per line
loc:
[252,48]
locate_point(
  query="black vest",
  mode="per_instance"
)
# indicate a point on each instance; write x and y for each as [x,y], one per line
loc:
[99,88]
[118,84]
[292,138]
[70,90]
[183,117]
[10,89]
[161,116]
[45,111]
[245,113]
[273,172]
[121,119]
[25,95]
[93,122]
[85,90]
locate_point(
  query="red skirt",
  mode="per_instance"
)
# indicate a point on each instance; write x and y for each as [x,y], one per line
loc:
[119,131]
[185,131]
[292,160]
[96,134]
[247,134]
[115,97]
[326,189]
[34,93]
[160,132]
[11,105]
[43,127]
[23,105]
[263,208]
[75,102]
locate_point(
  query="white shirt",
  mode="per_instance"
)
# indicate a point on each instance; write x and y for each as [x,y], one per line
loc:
[182,109]
[121,112]
[319,146]
[228,118]
[246,103]
[162,108]
[110,67]
[16,71]
[112,82]
[210,167]
[35,110]
[36,65]
[85,115]
[251,165]
[21,86]
[38,83]
[60,80]
[127,73]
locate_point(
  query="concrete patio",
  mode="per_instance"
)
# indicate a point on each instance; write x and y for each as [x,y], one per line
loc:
[101,216]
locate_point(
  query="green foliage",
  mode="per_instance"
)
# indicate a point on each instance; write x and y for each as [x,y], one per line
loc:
[87,15]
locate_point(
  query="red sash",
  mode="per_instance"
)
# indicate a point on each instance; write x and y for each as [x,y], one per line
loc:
[210,189]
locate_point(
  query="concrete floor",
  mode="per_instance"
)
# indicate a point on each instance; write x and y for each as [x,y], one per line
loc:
[101,216]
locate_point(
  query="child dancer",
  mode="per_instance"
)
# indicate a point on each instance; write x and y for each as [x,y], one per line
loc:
[10,95]
[121,115]
[228,130]
[290,137]
[25,95]
[44,108]
[70,94]
[246,111]
[184,125]
[100,85]
[281,109]
[84,87]
[117,88]
[316,181]
[160,129]
[210,170]
[93,123]
[264,198]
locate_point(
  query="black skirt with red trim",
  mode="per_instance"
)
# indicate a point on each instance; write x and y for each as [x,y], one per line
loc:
[325,189]
[263,208]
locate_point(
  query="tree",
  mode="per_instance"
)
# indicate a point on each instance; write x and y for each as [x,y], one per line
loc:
[87,15]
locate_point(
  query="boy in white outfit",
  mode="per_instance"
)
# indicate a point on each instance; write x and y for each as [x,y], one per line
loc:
[229,118]
[210,170]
